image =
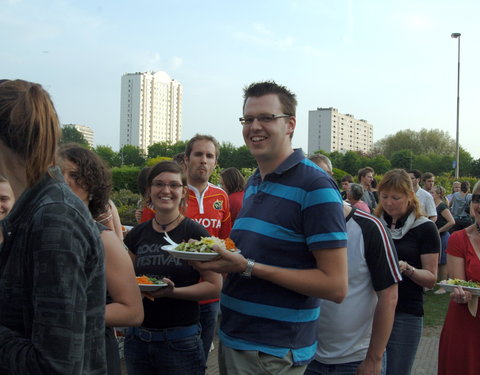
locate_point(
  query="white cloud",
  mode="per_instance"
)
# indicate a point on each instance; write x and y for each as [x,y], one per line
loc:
[313,51]
[263,37]
[418,23]
[176,62]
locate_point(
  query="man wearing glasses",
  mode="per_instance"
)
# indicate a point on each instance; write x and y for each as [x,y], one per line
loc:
[292,236]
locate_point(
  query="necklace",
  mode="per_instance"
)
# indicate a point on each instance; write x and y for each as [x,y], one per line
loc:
[164,226]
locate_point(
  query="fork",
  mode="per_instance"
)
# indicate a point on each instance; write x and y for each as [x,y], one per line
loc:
[169,240]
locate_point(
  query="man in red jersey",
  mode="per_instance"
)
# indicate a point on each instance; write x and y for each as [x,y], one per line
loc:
[208,205]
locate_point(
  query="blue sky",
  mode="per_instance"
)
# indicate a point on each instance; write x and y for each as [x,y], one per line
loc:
[392,63]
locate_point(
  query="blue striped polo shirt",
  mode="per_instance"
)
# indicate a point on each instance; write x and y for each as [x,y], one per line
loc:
[292,211]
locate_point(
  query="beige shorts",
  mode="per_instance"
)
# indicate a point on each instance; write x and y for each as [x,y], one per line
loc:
[252,362]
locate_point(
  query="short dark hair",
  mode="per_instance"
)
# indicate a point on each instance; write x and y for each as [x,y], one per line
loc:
[233,180]
[347,178]
[286,97]
[426,176]
[93,175]
[363,172]
[202,137]
[465,186]
[416,173]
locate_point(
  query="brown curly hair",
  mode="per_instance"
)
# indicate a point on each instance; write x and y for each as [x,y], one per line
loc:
[93,175]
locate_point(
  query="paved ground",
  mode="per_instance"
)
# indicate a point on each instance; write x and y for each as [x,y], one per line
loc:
[425,361]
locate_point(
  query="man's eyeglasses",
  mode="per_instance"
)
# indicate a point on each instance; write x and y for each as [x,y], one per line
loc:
[264,119]
[162,185]
[476,198]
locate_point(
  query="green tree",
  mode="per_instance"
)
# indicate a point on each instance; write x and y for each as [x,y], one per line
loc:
[130,155]
[424,141]
[402,159]
[107,154]
[72,135]
[379,163]
[166,148]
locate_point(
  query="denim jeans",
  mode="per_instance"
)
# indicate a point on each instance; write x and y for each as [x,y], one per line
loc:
[169,357]
[208,321]
[403,343]
[350,368]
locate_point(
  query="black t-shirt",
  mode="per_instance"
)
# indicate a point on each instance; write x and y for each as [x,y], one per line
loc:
[151,260]
[441,221]
[423,239]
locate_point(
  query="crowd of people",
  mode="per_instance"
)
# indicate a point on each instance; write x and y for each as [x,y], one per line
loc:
[327,281]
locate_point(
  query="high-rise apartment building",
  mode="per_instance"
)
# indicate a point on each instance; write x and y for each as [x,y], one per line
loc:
[330,131]
[86,131]
[150,109]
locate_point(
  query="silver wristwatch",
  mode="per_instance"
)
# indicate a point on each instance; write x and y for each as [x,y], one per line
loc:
[248,271]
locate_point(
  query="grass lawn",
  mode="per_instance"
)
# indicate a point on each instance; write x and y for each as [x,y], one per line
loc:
[435,307]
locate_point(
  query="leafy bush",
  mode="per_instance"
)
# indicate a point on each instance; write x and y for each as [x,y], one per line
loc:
[125,178]
[126,203]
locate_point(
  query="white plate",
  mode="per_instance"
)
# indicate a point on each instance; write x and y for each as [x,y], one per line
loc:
[151,287]
[188,255]
[451,287]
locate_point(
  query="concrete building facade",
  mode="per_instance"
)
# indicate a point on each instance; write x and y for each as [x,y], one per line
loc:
[86,131]
[329,130]
[150,109]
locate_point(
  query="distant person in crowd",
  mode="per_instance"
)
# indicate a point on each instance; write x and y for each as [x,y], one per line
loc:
[168,341]
[428,181]
[355,343]
[180,160]
[354,197]
[323,162]
[209,206]
[365,178]
[459,347]
[291,232]
[373,189]
[444,222]
[111,219]
[144,211]
[455,187]
[7,199]
[234,184]
[427,205]
[345,185]
[460,207]
[89,178]
[52,281]
[417,243]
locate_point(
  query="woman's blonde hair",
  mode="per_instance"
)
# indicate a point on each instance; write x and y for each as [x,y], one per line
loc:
[29,125]
[399,181]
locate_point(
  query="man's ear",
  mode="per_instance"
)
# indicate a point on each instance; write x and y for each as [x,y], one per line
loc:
[291,124]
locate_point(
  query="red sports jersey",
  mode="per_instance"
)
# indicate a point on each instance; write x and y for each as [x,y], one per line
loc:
[210,209]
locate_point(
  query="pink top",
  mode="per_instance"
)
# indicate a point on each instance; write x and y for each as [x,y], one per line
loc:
[361,205]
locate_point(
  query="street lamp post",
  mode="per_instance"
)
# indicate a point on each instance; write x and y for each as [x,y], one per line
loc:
[457,145]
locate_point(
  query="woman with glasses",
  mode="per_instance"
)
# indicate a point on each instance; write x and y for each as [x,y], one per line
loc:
[89,178]
[460,339]
[417,243]
[168,342]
